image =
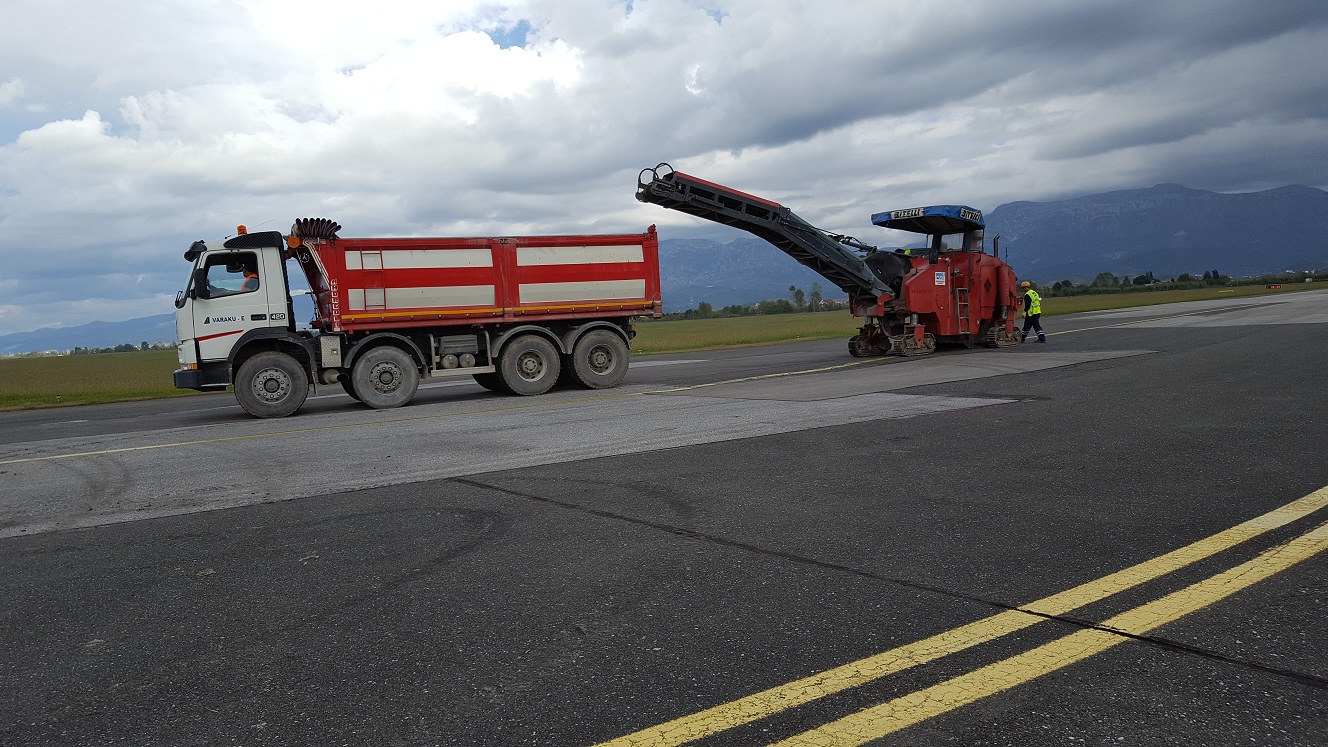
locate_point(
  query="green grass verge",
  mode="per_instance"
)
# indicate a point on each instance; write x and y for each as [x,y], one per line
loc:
[655,336]
[118,377]
[87,379]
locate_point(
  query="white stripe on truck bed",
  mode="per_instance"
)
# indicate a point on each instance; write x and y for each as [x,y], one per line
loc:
[594,290]
[415,259]
[529,256]
[360,299]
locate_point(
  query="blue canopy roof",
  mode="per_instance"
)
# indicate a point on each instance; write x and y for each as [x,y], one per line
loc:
[937,219]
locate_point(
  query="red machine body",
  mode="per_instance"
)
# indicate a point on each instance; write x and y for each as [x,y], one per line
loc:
[964,296]
[909,300]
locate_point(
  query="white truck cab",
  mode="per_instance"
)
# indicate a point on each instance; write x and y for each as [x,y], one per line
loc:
[232,292]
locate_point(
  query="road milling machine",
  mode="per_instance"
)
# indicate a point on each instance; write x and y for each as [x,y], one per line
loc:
[909,300]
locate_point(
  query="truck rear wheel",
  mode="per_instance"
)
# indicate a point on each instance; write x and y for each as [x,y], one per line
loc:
[271,385]
[529,365]
[491,381]
[349,389]
[599,359]
[385,377]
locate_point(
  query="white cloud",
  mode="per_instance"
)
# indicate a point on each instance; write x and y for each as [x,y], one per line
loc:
[117,150]
[11,92]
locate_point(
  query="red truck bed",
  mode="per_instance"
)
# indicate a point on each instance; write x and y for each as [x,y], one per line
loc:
[364,284]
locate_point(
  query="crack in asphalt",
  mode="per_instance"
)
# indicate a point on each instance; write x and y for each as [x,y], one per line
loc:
[1299,677]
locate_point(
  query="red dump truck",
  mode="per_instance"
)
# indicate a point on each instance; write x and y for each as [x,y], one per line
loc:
[518,314]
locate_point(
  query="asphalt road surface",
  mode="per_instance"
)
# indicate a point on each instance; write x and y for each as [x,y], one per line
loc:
[1115,538]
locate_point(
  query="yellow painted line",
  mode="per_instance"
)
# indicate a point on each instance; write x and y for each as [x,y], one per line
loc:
[486,310]
[628,305]
[807,689]
[878,721]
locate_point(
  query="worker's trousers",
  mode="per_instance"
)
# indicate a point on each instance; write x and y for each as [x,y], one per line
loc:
[1034,322]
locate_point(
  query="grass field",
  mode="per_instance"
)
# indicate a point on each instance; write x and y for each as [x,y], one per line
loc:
[705,334]
[87,379]
[117,377]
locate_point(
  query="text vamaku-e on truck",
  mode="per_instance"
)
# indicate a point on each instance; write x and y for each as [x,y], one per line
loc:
[516,313]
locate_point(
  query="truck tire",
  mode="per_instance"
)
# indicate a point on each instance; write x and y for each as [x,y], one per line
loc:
[529,365]
[599,359]
[350,389]
[385,377]
[491,381]
[271,385]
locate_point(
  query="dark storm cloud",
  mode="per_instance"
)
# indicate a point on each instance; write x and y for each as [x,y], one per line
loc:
[409,119]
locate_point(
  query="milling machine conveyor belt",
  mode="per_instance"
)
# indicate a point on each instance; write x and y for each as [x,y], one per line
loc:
[769,220]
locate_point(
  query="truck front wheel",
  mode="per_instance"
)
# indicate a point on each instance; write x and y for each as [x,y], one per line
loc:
[385,377]
[599,359]
[271,385]
[529,365]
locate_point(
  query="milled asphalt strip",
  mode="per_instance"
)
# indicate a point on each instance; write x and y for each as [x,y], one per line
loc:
[807,689]
[298,431]
[1142,321]
[317,429]
[418,418]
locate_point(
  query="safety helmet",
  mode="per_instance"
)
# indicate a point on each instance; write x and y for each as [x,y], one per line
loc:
[1025,284]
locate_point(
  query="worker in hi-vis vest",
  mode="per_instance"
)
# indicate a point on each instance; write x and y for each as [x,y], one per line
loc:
[1032,311]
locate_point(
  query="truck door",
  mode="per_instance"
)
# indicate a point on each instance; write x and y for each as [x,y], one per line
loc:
[233,298]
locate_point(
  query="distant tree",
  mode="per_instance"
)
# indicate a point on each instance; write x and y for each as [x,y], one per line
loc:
[814,297]
[799,298]
[1105,280]
[1143,280]
[1184,277]
[704,310]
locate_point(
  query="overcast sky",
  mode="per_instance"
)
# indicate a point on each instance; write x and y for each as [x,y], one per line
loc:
[130,128]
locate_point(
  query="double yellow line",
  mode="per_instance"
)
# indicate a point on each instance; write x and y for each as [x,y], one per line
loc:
[877,721]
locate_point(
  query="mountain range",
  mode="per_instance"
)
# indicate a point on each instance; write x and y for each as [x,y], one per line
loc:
[1167,230]
[149,329]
